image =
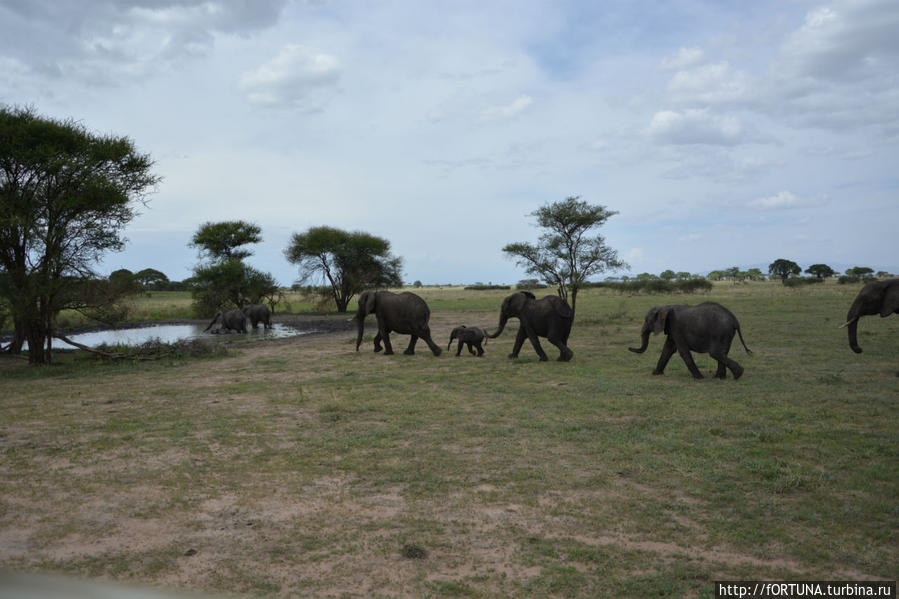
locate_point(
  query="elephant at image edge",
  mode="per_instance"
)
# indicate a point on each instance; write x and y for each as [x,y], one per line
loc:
[234,320]
[549,317]
[470,336]
[707,328]
[877,297]
[257,313]
[404,313]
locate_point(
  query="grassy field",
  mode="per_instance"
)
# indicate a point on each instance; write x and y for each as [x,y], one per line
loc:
[302,468]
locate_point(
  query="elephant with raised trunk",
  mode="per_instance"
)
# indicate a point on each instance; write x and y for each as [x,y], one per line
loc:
[707,328]
[232,320]
[876,297]
[404,313]
[257,313]
[470,336]
[549,317]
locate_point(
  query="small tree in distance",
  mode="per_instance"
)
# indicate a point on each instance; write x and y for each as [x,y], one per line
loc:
[783,268]
[565,256]
[821,271]
[347,263]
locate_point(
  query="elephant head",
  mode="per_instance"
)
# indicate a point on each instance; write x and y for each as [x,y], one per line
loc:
[655,322]
[877,297]
[511,308]
[368,302]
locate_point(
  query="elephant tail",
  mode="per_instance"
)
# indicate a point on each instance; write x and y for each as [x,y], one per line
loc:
[740,333]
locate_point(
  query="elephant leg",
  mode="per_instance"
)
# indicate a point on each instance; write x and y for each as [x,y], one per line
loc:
[471,348]
[565,353]
[721,373]
[480,349]
[535,341]
[459,349]
[378,342]
[519,341]
[667,351]
[426,335]
[687,357]
[411,349]
[385,337]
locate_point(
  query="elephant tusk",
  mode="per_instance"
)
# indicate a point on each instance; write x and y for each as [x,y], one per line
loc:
[848,322]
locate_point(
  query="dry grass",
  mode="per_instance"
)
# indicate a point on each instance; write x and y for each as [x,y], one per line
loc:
[302,468]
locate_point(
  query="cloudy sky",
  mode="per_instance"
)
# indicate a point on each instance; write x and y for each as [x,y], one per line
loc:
[723,133]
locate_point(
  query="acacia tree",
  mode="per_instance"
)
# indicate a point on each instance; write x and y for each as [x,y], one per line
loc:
[65,196]
[346,262]
[821,271]
[784,268]
[225,280]
[565,255]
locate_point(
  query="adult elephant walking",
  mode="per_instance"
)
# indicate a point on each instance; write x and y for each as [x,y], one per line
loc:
[877,297]
[257,313]
[404,313]
[233,320]
[707,327]
[549,317]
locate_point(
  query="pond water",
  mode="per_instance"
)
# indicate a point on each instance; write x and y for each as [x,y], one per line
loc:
[168,333]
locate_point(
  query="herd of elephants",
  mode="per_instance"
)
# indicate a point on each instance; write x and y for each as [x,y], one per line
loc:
[705,328]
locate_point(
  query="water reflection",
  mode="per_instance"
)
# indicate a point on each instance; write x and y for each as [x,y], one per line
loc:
[169,333]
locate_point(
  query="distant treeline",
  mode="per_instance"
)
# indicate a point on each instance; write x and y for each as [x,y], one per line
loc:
[653,286]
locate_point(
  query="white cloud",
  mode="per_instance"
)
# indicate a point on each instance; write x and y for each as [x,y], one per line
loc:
[696,127]
[298,77]
[710,84]
[508,111]
[780,201]
[685,58]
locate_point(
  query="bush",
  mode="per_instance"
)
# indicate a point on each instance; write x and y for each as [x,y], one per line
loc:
[482,287]
[800,281]
[657,286]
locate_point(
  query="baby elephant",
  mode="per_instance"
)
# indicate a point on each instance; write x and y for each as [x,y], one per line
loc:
[470,336]
[708,327]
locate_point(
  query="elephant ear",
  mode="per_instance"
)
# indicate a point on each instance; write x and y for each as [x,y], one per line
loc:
[660,320]
[369,301]
[890,300]
[528,294]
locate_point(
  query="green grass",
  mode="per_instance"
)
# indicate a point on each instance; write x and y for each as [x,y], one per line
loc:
[306,468]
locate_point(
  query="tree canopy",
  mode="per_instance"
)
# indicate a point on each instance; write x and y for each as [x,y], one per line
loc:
[225,281]
[565,255]
[784,268]
[65,196]
[821,271]
[219,242]
[346,263]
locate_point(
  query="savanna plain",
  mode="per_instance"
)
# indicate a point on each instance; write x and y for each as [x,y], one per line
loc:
[299,467]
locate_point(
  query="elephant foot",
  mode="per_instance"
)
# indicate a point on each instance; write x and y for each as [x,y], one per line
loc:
[737,373]
[512,356]
[658,372]
[377,349]
[409,352]
[437,351]
[543,358]
[389,352]
[566,355]
[698,375]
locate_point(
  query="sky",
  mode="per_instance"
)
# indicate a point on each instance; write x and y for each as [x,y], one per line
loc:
[723,133]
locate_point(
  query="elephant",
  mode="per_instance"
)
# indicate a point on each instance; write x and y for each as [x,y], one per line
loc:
[404,313]
[471,336]
[549,317]
[257,313]
[708,327]
[233,320]
[876,297]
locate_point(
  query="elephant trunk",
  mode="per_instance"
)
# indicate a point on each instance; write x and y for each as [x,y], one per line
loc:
[450,344]
[643,345]
[502,325]
[360,324]
[852,323]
